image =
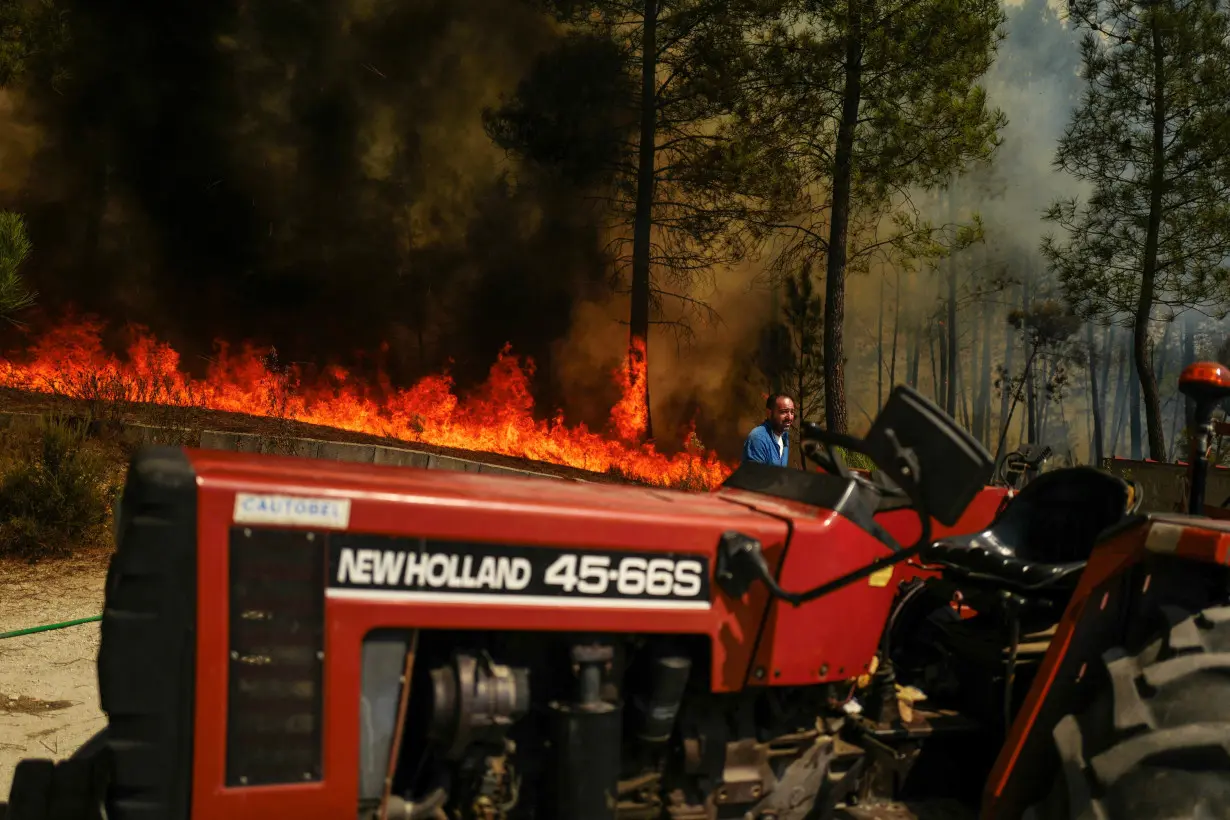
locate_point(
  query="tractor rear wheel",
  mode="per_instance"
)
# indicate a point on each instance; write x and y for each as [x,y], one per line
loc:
[1154,743]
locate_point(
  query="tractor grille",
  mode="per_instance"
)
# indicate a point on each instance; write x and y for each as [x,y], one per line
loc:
[274,706]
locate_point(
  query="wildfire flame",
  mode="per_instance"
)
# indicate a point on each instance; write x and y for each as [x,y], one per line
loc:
[497,417]
[630,415]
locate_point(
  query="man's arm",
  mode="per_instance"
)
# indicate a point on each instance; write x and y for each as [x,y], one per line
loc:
[758,448]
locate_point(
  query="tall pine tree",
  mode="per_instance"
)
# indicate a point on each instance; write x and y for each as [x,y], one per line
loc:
[632,104]
[1150,136]
[867,102]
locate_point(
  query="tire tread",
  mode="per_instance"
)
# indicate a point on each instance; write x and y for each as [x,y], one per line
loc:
[1109,753]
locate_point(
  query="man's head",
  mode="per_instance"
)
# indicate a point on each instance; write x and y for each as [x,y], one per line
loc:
[781,412]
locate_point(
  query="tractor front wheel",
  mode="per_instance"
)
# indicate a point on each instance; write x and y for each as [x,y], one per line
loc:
[1154,743]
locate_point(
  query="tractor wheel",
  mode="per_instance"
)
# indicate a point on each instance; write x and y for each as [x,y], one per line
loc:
[1154,743]
[71,789]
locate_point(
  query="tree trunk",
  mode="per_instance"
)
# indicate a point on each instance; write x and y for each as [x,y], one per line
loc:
[1173,452]
[1107,348]
[1023,434]
[1006,422]
[935,378]
[1044,411]
[1031,409]
[1162,358]
[1006,395]
[966,418]
[915,357]
[1144,307]
[880,350]
[1161,354]
[964,384]
[1183,407]
[1121,391]
[1189,357]
[801,391]
[638,329]
[1089,400]
[982,416]
[951,344]
[1095,400]
[892,367]
[941,392]
[1134,408]
[835,273]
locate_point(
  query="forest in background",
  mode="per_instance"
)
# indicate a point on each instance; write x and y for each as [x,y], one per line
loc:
[1043,312]
[988,201]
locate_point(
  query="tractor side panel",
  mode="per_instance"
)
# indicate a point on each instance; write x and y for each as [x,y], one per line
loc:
[249,567]
[1151,562]
[834,637]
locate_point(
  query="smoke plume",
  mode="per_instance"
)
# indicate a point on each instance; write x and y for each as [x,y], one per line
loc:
[312,176]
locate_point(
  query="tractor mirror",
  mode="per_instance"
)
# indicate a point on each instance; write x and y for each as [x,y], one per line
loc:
[952,465]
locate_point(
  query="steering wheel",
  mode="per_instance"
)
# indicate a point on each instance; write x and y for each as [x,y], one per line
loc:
[820,446]
[1024,462]
[819,450]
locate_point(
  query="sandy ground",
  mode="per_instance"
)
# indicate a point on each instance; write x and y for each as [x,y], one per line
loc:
[48,683]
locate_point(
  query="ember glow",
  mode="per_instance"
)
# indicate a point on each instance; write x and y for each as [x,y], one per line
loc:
[496,418]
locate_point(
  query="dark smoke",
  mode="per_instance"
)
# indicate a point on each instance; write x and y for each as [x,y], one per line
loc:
[313,175]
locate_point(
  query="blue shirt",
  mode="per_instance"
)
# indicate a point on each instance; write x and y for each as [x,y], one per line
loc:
[761,446]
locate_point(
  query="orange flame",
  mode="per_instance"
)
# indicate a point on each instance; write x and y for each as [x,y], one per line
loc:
[630,415]
[496,418]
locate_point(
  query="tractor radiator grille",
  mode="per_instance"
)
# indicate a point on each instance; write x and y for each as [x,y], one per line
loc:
[274,705]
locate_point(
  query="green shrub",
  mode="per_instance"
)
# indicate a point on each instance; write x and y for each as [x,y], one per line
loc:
[56,495]
[856,461]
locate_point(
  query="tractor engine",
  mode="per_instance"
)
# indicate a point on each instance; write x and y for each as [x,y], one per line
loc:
[573,725]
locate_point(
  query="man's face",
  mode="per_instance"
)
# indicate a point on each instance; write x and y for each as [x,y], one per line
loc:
[781,417]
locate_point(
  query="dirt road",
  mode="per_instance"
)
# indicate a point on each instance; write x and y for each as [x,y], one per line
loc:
[48,683]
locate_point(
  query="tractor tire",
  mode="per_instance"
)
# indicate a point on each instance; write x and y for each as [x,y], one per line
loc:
[30,794]
[71,789]
[1154,743]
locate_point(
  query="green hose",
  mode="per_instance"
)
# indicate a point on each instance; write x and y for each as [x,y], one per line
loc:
[47,628]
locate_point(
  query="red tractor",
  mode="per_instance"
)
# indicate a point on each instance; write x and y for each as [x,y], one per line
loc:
[307,639]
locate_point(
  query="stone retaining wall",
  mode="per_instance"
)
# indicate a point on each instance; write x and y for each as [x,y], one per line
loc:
[303,447]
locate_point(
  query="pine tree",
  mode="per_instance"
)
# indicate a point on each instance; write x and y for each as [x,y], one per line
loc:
[866,102]
[632,104]
[15,296]
[1150,136]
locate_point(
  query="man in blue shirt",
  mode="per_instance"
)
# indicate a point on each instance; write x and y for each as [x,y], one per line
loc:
[769,443]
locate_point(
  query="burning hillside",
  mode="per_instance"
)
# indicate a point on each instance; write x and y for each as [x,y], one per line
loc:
[497,417]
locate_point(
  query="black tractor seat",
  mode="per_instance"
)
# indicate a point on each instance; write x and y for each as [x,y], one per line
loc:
[1043,536]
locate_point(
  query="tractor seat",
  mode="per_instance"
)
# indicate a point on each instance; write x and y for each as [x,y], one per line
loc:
[1043,536]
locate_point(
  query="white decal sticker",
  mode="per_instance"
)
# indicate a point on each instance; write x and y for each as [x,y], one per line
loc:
[384,568]
[254,508]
